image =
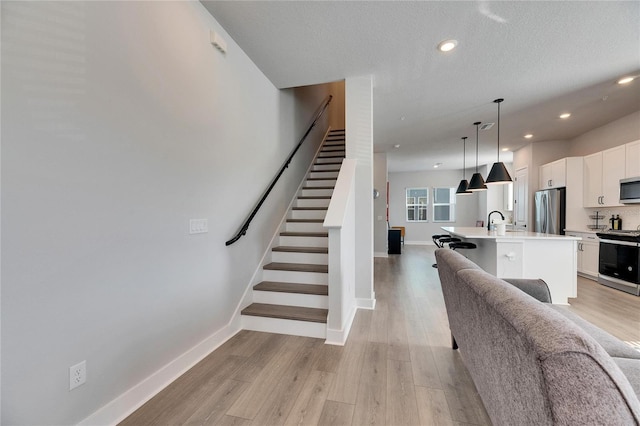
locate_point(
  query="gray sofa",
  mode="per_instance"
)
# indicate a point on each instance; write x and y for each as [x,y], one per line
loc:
[535,363]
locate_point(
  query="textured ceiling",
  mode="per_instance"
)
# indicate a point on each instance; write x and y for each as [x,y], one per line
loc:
[543,58]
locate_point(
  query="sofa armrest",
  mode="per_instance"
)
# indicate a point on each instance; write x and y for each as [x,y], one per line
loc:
[535,288]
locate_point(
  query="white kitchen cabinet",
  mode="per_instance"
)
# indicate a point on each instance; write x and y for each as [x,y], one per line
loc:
[602,173]
[553,175]
[632,168]
[588,254]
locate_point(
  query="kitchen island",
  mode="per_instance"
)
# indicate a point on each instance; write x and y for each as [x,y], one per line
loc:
[523,254]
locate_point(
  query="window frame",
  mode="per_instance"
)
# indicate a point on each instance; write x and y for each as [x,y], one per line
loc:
[416,206]
[452,205]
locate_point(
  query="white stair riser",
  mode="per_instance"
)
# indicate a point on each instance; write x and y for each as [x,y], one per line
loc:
[317,192]
[324,167]
[295,257]
[295,277]
[321,202]
[323,175]
[323,182]
[326,160]
[282,326]
[307,214]
[305,227]
[291,299]
[304,241]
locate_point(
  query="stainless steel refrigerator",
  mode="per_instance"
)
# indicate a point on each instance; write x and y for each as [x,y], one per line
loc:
[550,211]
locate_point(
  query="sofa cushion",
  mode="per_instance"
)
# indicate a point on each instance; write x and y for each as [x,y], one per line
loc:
[611,344]
[631,369]
[535,288]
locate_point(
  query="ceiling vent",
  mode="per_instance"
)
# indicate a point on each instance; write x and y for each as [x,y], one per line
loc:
[486,126]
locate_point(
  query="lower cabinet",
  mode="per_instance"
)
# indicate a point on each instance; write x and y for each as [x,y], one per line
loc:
[588,254]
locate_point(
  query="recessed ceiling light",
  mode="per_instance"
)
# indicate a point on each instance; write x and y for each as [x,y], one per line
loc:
[565,115]
[528,136]
[396,146]
[626,80]
[402,118]
[447,45]
[505,149]
[435,166]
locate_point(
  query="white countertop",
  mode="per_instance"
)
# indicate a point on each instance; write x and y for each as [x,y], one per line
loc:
[483,233]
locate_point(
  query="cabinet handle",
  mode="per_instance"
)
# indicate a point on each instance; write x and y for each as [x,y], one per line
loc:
[550,183]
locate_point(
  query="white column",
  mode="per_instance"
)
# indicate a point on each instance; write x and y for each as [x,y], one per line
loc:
[359,131]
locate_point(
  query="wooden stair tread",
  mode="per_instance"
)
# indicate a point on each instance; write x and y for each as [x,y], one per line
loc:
[314,197]
[331,156]
[335,163]
[297,267]
[304,234]
[317,187]
[324,178]
[286,312]
[298,249]
[309,208]
[316,289]
[325,171]
[305,220]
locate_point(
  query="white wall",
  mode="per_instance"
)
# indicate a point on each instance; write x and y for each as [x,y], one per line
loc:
[621,131]
[380,178]
[359,131]
[467,211]
[120,123]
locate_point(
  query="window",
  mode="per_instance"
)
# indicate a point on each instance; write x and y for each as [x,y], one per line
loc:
[444,204]
[417,204]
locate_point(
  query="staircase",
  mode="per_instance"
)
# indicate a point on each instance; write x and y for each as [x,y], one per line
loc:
[293,296]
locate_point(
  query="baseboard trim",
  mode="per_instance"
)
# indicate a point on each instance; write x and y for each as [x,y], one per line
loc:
[380,254]
[419,243]
[121,407]
[339,337]
[366,303]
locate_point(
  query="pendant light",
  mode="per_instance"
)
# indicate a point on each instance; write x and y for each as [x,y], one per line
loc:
[464,184]
[477,181]
[498,173]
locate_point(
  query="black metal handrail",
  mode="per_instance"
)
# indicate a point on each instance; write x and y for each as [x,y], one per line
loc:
[245,225]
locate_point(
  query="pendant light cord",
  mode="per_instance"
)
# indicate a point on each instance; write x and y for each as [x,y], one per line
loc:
[498,101]
[464,156]
[477,123]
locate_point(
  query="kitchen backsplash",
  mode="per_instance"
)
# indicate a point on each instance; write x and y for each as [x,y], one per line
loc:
[630,215]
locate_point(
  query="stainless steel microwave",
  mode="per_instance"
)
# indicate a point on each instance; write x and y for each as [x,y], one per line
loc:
[630,190]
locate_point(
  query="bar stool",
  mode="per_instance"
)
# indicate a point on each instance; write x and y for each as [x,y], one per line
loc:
[462,245]
[441,240]
[437,237]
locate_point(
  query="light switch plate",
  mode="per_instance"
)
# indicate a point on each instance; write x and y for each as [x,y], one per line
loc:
[198,226]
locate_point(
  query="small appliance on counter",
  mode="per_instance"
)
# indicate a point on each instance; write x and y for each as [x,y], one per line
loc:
[619,265]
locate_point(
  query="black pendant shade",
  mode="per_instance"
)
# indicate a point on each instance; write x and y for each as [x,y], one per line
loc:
[477,181]
[462,188]
[464,184]
[498,173]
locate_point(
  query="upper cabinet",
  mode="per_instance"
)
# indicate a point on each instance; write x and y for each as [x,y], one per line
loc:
[632,159]
[553,175]
[602,173]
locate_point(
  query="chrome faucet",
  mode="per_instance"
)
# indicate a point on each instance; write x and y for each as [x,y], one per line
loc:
[489,218]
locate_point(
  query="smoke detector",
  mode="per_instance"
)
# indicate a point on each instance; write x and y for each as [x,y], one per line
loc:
[486,126]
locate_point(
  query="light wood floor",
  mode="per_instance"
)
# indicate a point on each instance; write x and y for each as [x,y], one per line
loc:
[397,367]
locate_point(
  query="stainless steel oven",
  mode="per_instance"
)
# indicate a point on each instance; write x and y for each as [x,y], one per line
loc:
[619,260]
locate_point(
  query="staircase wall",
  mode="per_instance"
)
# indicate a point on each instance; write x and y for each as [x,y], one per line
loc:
[120,126]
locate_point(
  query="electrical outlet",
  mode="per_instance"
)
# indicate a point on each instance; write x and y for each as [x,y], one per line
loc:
[77,375]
